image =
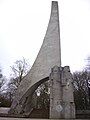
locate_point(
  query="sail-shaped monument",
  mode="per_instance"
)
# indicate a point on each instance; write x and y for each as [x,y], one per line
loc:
[48,62]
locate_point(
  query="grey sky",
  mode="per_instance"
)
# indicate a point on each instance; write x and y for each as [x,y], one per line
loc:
[23,24]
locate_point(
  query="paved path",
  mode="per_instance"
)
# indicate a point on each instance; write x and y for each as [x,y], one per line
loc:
[2,118]
[5,111]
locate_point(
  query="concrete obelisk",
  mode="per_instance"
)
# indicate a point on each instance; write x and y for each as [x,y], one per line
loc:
[48,56]
[48,66]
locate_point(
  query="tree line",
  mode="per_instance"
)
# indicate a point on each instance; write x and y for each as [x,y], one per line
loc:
[41,97]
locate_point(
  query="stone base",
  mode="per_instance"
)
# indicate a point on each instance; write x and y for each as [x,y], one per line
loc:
[61,94]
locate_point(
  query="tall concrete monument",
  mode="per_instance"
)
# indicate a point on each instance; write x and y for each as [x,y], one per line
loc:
[47,66]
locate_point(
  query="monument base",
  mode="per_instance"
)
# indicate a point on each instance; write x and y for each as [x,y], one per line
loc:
[61,93]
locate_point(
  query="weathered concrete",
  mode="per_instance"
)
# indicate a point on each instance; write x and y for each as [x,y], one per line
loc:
[49,56]
[4,110]
[61,93]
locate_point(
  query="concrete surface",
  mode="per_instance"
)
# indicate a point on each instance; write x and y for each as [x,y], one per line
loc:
[48,56]
[4,110]
[61,93]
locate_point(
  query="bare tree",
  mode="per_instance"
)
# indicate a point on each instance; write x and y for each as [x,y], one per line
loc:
[43,96]
[81,89]
[19,69]
[2,80]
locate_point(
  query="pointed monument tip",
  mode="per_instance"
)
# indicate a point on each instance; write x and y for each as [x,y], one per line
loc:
[54,5]
[54,2]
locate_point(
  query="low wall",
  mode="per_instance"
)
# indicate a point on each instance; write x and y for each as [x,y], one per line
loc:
[83,114]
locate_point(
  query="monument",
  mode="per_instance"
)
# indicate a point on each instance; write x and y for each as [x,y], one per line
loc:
[47,66]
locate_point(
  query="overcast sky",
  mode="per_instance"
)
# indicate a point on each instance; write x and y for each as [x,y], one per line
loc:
[23,25]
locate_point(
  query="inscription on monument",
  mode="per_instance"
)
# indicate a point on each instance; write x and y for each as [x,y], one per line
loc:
[59,108]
